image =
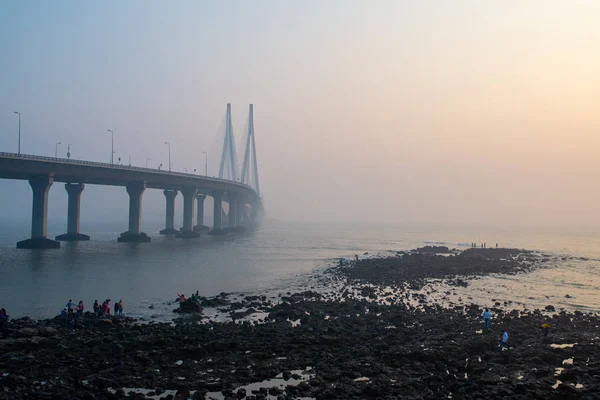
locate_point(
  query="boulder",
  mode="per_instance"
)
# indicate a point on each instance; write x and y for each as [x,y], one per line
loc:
[189,306]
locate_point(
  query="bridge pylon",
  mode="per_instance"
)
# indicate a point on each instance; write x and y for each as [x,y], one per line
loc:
[250,165]
[228,156]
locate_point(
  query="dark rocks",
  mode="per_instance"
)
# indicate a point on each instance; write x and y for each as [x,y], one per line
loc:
[116,349]
[357,348]
[27,332]
[550,308]
[433,249]
[415,266]
[189,306]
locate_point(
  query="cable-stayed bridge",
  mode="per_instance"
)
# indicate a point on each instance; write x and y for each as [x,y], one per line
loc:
[245,208]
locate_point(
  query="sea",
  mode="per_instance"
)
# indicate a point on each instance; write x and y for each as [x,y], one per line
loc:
[275,257]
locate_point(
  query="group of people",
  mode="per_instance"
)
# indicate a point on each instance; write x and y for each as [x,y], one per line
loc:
[181,297]
[104,309]
[71,312]
[487,317]
[482,245]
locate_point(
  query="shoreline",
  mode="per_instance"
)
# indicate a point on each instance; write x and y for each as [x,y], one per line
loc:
[355,342]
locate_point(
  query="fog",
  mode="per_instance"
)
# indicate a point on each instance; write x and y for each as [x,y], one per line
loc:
[387,111]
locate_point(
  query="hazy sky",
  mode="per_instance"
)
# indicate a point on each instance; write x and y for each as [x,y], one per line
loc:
[420,111]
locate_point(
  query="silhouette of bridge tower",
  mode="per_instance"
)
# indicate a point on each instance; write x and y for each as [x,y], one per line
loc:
[228,156]
[250,169]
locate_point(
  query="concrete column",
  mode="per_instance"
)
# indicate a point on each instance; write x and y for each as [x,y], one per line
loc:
[218,206]
[189,195]
[134,234]
[40,185]
[170,214]
[74,191]
[239,209]
[200,213]
[232,210]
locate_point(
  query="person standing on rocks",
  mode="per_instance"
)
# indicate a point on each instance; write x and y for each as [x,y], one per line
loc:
[69,305]
[545,328]
[3,317]
[121,308]
[486,320]
[96,307]
[80,307]
[106,308]
[504,341]
[116,309]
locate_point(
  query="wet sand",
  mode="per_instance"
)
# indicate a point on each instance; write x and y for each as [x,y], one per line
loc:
[377,335]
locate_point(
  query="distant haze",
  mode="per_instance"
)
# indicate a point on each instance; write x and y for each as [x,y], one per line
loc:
[395,111]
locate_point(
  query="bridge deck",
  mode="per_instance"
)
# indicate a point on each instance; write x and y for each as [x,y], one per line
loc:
[23,166]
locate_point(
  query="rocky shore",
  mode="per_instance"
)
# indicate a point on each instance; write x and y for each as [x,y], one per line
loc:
[357,343]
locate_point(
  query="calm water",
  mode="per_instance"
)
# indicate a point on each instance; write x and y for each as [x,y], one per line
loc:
[39,283]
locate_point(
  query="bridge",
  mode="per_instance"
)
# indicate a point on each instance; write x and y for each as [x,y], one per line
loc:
[245,204]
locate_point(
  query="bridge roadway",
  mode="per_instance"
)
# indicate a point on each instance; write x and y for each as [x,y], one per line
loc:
[245,205]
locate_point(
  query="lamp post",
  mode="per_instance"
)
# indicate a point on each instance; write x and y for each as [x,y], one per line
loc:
[19,147]
[68,151]
[147,159]
[112,145]
[56,149]
[169,144]
[205,163]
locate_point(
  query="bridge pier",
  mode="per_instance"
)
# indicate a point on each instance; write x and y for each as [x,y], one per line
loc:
[170,213]
[74,191]
[134,234]
[238,210]
[218,207]
[232,213]
[40,185]
[200,214]
[189,195]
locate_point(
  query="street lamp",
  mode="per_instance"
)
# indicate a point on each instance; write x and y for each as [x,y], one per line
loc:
[19,148]
[169,144]
[112,145]
[56,149]
[68,151]
[205,163]
[147,159]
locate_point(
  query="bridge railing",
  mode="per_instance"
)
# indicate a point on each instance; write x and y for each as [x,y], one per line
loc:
[115,166]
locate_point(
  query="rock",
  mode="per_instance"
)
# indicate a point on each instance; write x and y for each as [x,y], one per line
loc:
[274,390]
[116,349]
[103,383]
[199,395]
[189,306]
[241,393]
[550,308]
[48,331]
[27,332]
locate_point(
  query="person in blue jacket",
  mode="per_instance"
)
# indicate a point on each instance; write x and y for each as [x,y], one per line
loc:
[504,341]
[486,319]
